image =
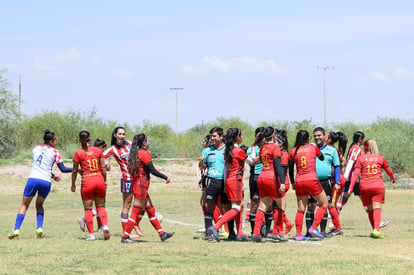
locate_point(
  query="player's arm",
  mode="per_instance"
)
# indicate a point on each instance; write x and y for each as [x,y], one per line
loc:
[155,172]
[103,167]
[388,170]
[63,168]
[280,172]
[74,175]
[291,165]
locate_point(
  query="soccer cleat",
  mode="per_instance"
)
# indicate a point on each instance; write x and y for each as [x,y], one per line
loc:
[106,233]
[315,233]
[376,234]
[14,234]
[277,237]
[39,233]
[236,238]
[257,239]
[335,232]
[82,224]
[213,232]
[302,238]
[91,237]
[209,237]
[289,227]
[166,236]
[127,240]
[384,223]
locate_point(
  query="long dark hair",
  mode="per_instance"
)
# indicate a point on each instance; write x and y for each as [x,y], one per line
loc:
[342,140]
[282,139]
[48,136]
[113,138]
[99,142]
[84,138]
[267,134]
[257,139]
[301,138]
[133,160]
[230,139]
[357,135]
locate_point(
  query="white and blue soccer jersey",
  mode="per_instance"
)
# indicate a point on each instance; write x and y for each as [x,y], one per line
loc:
[43,158]
[258,167]
[331,159]
[215,162]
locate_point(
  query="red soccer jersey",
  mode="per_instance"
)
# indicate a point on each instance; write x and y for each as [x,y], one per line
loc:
[121,155]
[142,176]
[267,154]
[90,162]
[370,166]
[305,160]
[237,164]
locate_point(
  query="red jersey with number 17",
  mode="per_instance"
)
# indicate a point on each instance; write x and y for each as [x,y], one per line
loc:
[305,160]
[237,165]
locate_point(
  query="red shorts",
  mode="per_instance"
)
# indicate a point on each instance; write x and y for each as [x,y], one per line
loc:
[268,187]
[93,187]
[304,188]
[372,194]
[234,189]
[140,189]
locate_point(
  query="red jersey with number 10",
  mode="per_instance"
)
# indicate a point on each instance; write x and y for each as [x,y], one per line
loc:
[305,160]
[90,162]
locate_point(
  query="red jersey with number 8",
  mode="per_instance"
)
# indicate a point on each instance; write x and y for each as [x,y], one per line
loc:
[305,160]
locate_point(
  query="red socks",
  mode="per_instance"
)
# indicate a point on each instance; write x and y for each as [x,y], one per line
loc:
[89,220]
[319,216]
[299,222]
[259,221]
[377,218]
[153,219]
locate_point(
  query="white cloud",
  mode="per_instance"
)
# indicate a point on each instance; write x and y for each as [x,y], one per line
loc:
[379,75]
[403,73]
[241,64]
[71,56]
[97,60]
[122,74]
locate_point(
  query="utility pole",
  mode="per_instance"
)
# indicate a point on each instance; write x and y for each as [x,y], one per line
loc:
[324,68]
[176,107]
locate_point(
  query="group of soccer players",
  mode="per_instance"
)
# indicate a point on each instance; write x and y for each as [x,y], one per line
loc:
[91,163]
[322,176]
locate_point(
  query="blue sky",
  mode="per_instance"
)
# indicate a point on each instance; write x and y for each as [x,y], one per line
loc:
[257,60]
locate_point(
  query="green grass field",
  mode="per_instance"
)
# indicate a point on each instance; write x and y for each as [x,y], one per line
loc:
[64,250]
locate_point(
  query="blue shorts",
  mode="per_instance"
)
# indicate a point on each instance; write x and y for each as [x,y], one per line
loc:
[126,186]
[33,186]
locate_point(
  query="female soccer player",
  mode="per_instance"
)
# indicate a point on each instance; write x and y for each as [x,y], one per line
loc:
[120,150]
[255,170]
[282,142]
[234,158]
[101,144]
[93,184]
[40,181]
[304,155]
[369,167]
[140,166]
[269,188]
[354,153]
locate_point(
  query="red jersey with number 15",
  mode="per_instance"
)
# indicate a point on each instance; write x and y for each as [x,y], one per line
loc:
[237,165]
[305,160]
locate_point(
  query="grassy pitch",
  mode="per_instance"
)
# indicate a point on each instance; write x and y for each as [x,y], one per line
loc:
[64,250]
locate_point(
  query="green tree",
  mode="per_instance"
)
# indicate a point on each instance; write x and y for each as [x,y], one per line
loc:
[9,117]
